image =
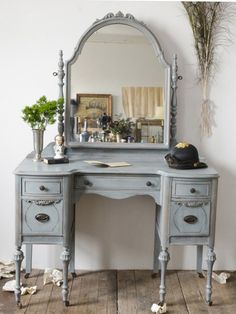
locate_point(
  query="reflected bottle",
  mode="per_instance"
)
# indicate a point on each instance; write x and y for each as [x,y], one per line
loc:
[84,135]
[76,128]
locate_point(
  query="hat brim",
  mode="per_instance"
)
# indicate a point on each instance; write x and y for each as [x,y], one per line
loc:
[184,165]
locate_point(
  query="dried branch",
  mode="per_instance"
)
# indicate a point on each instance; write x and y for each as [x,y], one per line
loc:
[209,22]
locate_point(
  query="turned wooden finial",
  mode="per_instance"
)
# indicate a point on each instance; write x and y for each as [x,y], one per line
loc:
[61,75]
[173,111]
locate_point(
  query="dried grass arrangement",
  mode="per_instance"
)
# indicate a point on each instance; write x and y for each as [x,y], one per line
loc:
[210,26]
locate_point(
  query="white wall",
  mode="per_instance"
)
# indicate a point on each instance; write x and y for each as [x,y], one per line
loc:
[114,234]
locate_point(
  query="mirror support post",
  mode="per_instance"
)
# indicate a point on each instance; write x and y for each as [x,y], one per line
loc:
[61,75]
[173,109]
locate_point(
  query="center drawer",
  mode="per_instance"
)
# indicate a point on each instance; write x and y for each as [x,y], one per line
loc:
[116,182]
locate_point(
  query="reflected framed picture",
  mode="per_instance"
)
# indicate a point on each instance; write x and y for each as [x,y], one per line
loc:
[149,130]
[93,107]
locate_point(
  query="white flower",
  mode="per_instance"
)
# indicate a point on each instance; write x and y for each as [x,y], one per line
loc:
[156,308]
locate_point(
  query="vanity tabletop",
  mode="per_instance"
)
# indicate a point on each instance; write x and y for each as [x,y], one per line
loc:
[141,163]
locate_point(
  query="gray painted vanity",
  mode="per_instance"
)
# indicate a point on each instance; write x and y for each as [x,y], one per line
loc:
[46,194]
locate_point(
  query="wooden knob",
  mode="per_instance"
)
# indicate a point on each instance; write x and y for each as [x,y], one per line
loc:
[42,188]
[87,183]
[192,190]
[149,183]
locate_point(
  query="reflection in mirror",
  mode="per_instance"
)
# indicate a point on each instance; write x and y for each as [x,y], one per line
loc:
[117,89]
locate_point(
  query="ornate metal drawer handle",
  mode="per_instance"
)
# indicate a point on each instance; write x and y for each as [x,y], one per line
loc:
[43,202]
[41,217]
[192,204]
[190,219]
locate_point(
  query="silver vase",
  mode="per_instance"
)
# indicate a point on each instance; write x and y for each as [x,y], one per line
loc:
[38,143]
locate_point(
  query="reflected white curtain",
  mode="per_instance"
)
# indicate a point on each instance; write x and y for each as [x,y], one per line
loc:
[143,102]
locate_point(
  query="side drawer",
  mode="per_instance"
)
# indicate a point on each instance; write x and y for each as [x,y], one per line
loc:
[190,218]
[114,183]
[42,217]
[42,186]
[191,188]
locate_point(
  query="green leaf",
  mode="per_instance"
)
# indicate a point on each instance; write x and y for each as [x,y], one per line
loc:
[43,112]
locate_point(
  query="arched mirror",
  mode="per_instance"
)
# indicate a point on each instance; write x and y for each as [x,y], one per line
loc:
[118,87]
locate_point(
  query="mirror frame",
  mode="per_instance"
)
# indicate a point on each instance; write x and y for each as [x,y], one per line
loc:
[170,82]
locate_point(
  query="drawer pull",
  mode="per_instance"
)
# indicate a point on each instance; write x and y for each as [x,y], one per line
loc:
[192,190]
[149,183]
[87,183]
[42,188]
[42,217]
[192,204]
[190,219]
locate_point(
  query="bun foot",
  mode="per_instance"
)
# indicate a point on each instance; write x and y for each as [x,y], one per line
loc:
[74,275]
[200,275]
[66,303]
[27,275]
[209,303]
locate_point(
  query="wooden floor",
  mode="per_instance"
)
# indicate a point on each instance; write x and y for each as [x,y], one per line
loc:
[123,292]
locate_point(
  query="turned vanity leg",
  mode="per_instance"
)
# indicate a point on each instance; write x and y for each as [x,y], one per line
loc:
[65,257]
[28,259]
[199,260]
[72,248]
[157,248]
[18,258]
[72,258]
[164,258]
[211,257]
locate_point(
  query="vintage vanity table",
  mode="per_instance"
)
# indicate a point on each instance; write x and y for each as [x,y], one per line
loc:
[46,194]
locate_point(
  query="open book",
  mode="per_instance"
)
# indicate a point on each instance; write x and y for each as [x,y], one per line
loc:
[107,164]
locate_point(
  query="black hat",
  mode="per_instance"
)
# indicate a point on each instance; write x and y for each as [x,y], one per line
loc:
[184,156]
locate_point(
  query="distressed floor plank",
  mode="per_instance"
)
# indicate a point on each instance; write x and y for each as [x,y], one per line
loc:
[7,299]
[29,282]
[94,292]
[107,293]
[127,298]
[192,292]
[174,297]
[146,290]
[39,302]
[55,305]
[85,293]
[123,292]
[223,297]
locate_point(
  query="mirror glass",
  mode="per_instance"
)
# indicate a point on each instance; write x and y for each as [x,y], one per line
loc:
[117,89]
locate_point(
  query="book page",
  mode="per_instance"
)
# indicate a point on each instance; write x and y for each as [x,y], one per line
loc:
[108,164]
[118,164]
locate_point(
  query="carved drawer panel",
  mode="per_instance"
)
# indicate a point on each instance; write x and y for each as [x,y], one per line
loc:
[114,183]
[43,217]
[190,218]
[42,187]
[191,188]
